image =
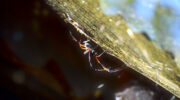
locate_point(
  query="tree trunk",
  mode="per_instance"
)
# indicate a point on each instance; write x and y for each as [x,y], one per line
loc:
[117,39]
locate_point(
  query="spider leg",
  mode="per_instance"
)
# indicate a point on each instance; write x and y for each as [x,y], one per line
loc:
[98,61]
[91,66]
[116,70]
[104,67]
[89,56]
[100,54]
[83,47]
[73,36]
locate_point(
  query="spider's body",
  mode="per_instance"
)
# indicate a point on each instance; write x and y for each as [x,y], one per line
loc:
[88,49]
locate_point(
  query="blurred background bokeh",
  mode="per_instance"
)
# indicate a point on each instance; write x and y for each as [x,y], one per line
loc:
[158,18]
[40,61]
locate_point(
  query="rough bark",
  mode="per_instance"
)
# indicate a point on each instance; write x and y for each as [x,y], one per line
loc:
[114,36]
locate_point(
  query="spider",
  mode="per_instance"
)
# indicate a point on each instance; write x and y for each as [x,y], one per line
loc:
[88,49]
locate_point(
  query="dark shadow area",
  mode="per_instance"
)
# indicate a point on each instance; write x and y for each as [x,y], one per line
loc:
[40,61]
